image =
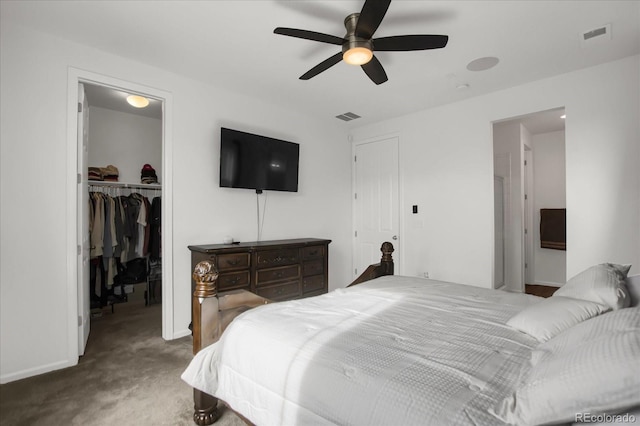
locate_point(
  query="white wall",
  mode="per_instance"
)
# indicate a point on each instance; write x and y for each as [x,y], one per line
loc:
[128,141]
[549,192]
[35,306]
[446,164]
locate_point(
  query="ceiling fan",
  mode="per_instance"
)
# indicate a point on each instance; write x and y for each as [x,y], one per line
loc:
[358,45]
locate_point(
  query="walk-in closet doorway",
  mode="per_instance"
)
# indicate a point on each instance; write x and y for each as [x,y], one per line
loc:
[129,181]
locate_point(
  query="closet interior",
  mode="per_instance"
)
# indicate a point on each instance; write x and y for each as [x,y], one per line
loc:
[124,145]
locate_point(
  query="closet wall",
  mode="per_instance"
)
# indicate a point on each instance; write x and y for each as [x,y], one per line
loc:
[127,141]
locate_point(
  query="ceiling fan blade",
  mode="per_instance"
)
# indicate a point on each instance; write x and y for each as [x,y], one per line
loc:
[371,15]
[375,71]
[405,43]
[322,66]
[309,35]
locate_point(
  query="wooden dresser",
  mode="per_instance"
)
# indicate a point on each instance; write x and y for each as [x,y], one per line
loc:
[277,270]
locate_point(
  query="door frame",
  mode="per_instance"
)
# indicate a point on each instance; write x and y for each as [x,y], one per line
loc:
[74,77]
[496,254]
[397,244]
[528,223]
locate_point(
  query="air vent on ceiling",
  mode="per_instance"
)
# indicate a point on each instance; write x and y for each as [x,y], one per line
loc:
[601,33]
[348,116]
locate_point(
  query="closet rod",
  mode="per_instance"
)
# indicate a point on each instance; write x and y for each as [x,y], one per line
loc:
[125,184]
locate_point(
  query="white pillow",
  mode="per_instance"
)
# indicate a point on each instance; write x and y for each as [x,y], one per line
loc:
[549,317]
[620,321]
[589,368]
[602,284]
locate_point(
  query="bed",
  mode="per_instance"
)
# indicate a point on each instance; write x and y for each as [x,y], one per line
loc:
[410,351]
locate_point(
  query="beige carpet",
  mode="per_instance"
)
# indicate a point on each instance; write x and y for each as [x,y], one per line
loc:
[129,375]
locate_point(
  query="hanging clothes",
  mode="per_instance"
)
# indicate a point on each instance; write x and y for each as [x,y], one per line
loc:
[97,229]
[122,233]
[155,237]
[120,228]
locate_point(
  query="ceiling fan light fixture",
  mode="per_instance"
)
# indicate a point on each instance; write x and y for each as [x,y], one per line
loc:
[137,101]
[358,43]
[357,56]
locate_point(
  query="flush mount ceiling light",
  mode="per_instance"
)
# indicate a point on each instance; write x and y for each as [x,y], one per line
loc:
[357,55]
[482,64]
[137,101]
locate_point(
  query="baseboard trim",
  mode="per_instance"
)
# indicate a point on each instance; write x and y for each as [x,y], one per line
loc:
[547,283]
[36,371]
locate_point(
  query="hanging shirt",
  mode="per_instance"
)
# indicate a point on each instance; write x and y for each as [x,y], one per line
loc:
[97,232]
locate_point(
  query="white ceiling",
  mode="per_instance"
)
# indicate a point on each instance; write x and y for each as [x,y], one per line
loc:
[104,97]
[231,44]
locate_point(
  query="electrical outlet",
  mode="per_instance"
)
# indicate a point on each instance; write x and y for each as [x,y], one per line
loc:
[425,274]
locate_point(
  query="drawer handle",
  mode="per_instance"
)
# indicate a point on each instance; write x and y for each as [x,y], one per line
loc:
[233,262]
[313,253]
[279,275]
[233,281]
[277,259]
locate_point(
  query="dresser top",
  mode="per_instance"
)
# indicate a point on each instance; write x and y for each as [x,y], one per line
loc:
[297,242]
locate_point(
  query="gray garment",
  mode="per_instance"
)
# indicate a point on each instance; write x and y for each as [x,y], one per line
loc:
[98,225]
[107,243]
[132,224]
[119,222]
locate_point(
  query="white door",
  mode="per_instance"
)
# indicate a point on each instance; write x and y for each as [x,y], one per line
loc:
[376,202]
[84,307]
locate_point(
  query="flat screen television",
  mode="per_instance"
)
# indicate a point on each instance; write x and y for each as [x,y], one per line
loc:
[257,162]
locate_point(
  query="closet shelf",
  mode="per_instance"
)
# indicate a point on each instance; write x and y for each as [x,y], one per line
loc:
[124,184]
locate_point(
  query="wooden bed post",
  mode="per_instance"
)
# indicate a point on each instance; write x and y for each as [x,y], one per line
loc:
[387,260]
[206,330]
[212,313]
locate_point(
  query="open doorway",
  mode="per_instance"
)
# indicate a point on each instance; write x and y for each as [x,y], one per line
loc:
[128,178]
[124,162]
[529,163]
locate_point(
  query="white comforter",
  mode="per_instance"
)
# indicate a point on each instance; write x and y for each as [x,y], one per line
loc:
[393,351]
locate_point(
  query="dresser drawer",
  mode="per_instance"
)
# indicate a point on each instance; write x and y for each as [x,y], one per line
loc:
[269,258]
[314,283]
[233,280]
[313,252]
[312,267]
[266,276]
[229,262]
[285,291]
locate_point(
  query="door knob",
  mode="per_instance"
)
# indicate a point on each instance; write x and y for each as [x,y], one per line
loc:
[395,237]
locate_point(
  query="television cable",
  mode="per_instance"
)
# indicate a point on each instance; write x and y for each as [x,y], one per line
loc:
[264,211]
